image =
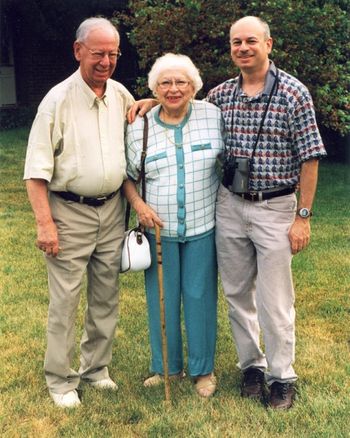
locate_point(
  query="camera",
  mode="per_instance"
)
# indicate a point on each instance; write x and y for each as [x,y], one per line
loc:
[236,174]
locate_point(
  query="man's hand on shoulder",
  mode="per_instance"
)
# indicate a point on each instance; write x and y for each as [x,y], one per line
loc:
[140,107]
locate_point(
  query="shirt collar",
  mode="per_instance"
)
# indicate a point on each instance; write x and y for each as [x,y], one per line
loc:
[167,125]
[91,97]
[269,81]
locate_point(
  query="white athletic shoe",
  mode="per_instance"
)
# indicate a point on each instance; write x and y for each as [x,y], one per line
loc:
[103,384]
[68,400]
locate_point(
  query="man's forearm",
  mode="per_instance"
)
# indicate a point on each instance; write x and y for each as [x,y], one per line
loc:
[38,197]
[47,239]
[300,231]
[308,183]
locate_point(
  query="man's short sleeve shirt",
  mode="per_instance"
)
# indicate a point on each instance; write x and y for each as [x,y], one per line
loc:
[77,139]
[289,135]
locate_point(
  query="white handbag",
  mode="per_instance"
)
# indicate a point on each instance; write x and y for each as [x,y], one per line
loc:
[136,254]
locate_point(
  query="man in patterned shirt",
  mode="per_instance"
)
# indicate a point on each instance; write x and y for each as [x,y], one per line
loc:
[261,225]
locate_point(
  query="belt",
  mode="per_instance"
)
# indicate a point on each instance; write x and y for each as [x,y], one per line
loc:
[93,202]
[263,195]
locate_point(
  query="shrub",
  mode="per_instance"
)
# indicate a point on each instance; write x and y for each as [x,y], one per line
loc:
[311,41]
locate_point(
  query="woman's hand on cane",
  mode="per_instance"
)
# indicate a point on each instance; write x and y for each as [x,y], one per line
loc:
[146,215]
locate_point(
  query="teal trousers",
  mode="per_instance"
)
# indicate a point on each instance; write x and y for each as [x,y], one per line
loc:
[189,278]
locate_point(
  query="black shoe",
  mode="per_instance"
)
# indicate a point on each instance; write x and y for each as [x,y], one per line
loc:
[253,384]
[282,395]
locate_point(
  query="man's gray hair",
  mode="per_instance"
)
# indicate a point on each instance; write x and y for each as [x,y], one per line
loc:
[263,23]
[172,61]
[95,23]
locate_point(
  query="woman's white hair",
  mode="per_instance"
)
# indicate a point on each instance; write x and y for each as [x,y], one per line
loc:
[172,61]
[95,23]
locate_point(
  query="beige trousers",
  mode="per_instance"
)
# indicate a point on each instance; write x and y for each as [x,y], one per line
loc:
[254,258]
[91,240]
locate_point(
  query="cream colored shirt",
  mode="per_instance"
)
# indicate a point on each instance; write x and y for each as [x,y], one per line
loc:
[77,139]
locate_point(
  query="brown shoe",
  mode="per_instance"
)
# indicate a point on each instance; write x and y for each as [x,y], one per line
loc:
[281,395]
[253,384]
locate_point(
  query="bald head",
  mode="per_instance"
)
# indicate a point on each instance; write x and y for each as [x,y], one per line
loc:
[95,23]
[254,22]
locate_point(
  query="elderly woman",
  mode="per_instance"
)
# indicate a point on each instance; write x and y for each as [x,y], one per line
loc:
[184,140]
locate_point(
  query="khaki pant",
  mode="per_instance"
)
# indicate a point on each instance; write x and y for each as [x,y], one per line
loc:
[91,239]
[254,258]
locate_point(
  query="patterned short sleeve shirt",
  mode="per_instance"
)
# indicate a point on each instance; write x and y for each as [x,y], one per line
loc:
[289,134]
[180,168]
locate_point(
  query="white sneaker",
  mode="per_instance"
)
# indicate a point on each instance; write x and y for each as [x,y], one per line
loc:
[103,384]
[68,400]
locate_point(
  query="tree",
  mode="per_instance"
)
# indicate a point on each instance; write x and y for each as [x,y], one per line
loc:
[311,41]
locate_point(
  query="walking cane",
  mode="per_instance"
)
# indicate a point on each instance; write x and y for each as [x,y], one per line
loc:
[162,314]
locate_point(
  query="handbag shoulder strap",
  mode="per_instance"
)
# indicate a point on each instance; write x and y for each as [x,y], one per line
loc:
[142,176]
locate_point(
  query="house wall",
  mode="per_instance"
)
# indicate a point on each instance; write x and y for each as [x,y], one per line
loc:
[7,73]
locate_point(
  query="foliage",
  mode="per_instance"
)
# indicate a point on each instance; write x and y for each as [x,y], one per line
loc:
[188,27]
[311,41]
[322,349]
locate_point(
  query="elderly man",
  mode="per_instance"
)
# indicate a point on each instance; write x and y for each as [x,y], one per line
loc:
[273,147]
[74,168]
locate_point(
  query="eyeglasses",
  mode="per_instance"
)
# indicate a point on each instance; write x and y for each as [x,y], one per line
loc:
[98,56]
[165,85]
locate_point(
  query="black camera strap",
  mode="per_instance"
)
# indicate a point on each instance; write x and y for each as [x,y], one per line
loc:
[275,85]
[265,112]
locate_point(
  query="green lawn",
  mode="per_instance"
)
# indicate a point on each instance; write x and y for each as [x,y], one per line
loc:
[321,275]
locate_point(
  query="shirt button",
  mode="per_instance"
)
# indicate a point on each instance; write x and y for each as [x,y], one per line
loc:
[181,186]
[181,166]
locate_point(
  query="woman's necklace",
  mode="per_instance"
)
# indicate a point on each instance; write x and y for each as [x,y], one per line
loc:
[174,121]
[170,139]
[168,136]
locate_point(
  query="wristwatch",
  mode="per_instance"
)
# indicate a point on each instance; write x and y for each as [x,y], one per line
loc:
[304,212]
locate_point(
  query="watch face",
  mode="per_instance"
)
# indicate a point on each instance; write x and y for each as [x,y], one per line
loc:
[304,212]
